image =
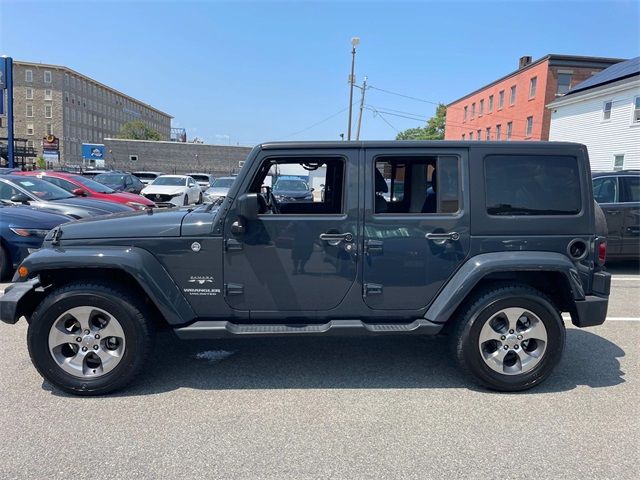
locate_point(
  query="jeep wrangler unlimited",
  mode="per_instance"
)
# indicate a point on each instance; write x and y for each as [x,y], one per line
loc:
[486,243]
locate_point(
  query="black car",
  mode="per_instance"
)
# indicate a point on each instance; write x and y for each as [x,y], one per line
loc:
[618,194]
[292,190]
[489,243]
[120,182]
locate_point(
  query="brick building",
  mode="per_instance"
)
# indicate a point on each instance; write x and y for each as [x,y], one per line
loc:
[56,100]
[514,106]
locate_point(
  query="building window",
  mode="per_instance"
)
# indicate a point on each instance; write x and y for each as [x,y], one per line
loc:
[29,110]
[529,126]
[498,132]
[28,75]
[49,128]
[470,135]
[29,128]
[47,76]
[481,107]
[48,111]
[512,96]
[533,84]
[488,134]
[29,93]
[473,109]
[509,130]
[464,118]
[636,110]
[500,99]
[618,162]
[606,110]
[66,79]
[463,136]
[564,83]
[29,143]
[48,94]
[479,134]
[490,109]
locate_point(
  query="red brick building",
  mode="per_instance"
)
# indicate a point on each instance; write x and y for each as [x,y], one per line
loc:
[513,107]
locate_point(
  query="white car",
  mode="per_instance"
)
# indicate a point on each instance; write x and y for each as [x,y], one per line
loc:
[219,188]
[173,190]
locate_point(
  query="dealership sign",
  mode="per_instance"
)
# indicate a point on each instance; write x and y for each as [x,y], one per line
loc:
[92,151]
[51,142]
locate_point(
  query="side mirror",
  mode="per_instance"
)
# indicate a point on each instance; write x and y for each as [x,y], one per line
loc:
[312,189]
[248,206]
[20,198]
[79,192]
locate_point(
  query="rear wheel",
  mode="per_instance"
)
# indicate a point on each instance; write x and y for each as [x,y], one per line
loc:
[509,338]
[186,199]
[89,339]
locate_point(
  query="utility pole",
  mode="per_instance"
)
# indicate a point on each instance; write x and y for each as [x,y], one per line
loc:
[364,89]
[352,79]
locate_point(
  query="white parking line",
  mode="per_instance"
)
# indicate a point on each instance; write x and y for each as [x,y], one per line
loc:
[566,316]
[625,279]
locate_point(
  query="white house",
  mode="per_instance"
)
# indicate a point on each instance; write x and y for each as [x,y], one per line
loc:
[603,113]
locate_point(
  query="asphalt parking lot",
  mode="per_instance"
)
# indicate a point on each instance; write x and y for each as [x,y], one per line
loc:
[380,407]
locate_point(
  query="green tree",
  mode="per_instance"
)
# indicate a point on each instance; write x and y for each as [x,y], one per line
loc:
[433,130]
[137,130]
[41,164]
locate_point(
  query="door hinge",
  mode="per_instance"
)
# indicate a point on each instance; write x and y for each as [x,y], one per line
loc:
[372,289]
[232,244]
[233,289]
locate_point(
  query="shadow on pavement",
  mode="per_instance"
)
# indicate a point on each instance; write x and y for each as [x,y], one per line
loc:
[349,363]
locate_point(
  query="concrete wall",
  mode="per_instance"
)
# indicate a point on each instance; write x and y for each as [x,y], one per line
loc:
[174,157]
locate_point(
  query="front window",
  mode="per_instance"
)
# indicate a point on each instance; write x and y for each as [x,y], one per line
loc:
[564,83]
[42,189]
[606,110]
[532,185]
[170,181]
[605,190]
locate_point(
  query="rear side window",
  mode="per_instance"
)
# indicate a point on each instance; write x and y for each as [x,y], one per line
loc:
[631,188]
[532,185]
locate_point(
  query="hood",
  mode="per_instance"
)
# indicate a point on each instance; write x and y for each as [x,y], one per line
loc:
[128,197]
[151,223]
[217,191]
[293,193]
[98,206]
[27,217]
[163,189]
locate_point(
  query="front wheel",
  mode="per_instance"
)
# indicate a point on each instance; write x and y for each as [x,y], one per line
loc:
[89,338]
[509,338]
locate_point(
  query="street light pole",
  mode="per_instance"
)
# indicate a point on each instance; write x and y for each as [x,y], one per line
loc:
[354,41]
[364,89]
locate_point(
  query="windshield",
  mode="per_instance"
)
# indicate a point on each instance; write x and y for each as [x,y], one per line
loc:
[200,178]
[223,182]
[110,178]
[42,189]
[291,185]
[92,185]
[145,176]
[170,181]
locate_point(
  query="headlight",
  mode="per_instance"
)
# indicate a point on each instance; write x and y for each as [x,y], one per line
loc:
[177,195]
[136,205]
[29,232]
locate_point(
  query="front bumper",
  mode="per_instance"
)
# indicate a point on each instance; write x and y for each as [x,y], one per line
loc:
[13,295]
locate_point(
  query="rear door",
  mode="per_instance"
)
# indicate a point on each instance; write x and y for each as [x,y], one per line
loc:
[416,225]
[606,191]
[630,213]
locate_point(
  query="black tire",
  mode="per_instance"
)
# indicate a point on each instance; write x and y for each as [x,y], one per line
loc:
[479,309]
[5,264]
[132,315]
[186,199]
[200,198]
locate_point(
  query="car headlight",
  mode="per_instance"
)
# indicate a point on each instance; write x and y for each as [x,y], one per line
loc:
[177,195]
[29,232]
[136,205]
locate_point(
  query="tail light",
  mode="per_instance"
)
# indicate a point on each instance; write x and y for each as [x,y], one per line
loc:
[602,251]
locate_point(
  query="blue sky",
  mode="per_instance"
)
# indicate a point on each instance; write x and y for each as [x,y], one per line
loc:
[246,72]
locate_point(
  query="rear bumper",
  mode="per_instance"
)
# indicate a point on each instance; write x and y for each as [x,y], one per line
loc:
[10,301]
[593,309]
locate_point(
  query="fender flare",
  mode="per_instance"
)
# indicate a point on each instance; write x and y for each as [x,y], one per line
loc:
[140,264]
[479,266]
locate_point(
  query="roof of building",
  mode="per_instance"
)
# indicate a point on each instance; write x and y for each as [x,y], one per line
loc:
[619,71]
[554,60]
[107,87]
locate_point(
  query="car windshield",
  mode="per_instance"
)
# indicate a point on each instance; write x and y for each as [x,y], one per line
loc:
[223,182]
[92,184]
[290,185]
[170,181]
[43,189]
[200,178]
[110,178]
[145,176]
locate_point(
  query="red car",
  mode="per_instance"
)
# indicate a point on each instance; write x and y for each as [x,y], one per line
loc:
[85,187]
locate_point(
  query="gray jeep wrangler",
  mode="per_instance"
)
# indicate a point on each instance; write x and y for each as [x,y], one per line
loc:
[485,243]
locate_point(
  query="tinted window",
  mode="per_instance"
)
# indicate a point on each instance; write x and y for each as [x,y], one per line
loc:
[170,181]
[93,185]
[631,188]
[223,182]
[605,190]
[532,185]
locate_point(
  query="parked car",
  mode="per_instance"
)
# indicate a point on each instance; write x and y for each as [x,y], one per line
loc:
[618,193]
[40,194]
[147,177]
[120,182]
[22,230]
[89,173]
[85,187]
[491,265]
[8,171]
[173,191]
[292,190]
[203,179]
[219,188]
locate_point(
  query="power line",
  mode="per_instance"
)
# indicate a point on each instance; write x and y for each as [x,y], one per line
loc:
[315,124]
[382,118]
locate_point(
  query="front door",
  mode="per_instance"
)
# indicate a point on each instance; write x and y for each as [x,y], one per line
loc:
[416,226]
[298,258]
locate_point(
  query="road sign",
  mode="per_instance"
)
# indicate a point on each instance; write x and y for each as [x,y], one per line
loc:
[92,151]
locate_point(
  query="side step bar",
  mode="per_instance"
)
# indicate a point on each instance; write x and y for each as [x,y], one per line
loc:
[224,329]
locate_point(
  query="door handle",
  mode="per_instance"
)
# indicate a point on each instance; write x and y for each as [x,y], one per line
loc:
[336,237]
[441,237]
